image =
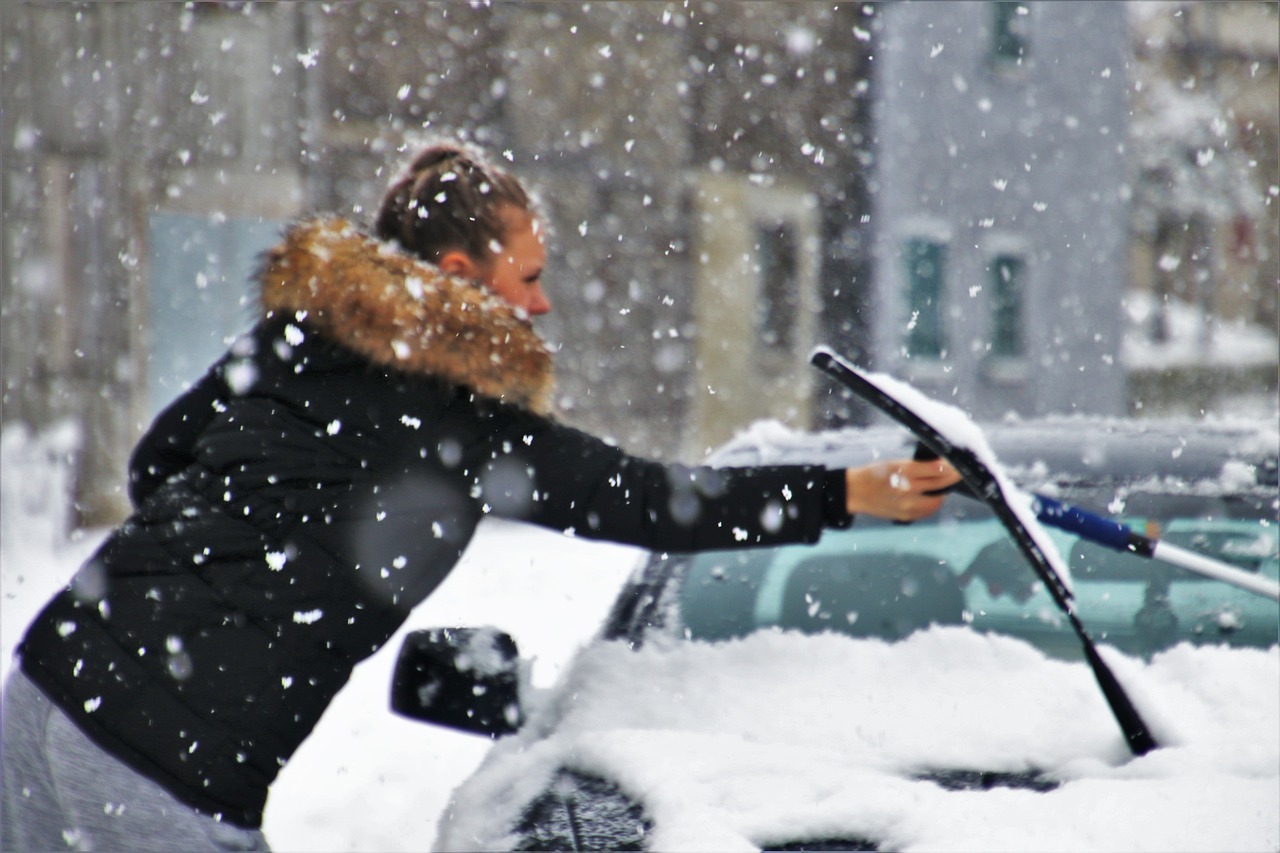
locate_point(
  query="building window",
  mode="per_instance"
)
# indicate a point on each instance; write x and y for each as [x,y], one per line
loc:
[1009,41]
[776,311]
[1008,276]
[925,267]
[756,306]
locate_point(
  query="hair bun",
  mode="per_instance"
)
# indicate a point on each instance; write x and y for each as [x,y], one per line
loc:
[436,155]
[449,198]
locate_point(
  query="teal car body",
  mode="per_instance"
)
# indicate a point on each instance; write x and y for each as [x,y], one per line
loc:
[1209,490]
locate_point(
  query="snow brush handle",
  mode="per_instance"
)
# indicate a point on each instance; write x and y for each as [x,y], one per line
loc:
[1121,537]
[1095,528]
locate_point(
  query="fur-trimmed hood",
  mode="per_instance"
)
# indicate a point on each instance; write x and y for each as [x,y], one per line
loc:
[406,314]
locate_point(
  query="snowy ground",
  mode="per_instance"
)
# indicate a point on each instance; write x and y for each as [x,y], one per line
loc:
[1192,341]
[368,780]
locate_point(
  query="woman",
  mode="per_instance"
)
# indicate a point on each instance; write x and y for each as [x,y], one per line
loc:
[321,480]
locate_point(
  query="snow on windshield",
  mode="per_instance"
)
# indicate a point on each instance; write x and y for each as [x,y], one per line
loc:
[780,737]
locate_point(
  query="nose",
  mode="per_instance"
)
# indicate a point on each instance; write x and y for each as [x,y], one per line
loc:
[538,302]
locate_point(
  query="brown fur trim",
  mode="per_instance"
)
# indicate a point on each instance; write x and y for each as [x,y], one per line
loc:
[406,314]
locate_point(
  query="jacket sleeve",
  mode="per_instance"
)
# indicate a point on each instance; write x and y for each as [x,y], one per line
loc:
[166,449]
[564,479]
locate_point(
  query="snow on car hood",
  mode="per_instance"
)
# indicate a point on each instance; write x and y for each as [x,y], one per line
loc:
[780,737]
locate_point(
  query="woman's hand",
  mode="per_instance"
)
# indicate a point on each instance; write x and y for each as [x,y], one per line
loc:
[897,489]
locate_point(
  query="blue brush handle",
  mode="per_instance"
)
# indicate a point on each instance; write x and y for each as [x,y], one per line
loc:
[1095,528]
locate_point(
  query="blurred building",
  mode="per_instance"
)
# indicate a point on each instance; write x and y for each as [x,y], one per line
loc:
[1205,172]
[1001,199]
[938,188]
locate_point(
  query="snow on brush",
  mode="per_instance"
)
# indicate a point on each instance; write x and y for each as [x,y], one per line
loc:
[957,428]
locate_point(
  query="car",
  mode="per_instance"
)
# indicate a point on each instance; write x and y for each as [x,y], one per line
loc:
[904,686]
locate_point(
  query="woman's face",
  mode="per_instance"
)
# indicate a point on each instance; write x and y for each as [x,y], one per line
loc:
[515,270]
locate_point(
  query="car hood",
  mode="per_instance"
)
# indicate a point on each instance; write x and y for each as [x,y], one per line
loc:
[781,737]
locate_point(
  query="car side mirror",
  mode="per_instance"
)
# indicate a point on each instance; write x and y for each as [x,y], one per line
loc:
[461,678]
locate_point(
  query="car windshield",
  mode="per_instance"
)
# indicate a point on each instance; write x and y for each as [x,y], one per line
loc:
[884,580]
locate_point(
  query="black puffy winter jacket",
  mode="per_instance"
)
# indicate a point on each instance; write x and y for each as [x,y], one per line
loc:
[319,482]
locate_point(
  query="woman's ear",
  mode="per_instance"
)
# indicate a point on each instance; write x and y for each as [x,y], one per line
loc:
[458,263]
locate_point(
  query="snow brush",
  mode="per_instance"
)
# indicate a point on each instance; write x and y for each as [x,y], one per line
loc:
[987,483]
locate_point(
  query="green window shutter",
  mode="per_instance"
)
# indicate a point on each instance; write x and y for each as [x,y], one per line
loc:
[925,260]
[1007,285]
[1009,31]
[777,248]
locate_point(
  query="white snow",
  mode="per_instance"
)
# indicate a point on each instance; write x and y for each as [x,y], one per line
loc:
[1193,339]
[781,736]
[774,737]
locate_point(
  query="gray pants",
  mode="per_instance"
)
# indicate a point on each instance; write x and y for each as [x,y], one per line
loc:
[61,791]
